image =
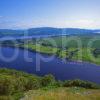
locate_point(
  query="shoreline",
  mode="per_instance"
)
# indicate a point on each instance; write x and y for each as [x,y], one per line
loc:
[47,54]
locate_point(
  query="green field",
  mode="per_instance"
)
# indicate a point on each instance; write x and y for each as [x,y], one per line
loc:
[65,47]
[67,50]
[71,41]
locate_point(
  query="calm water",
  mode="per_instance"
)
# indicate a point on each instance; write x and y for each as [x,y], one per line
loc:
[59,69]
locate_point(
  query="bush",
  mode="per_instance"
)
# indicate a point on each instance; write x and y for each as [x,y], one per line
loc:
[58,83]
[12,82]
[80,83]
[6,85]
[47,80]
[33,83]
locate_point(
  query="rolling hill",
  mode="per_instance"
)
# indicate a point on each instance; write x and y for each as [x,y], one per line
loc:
[42,31]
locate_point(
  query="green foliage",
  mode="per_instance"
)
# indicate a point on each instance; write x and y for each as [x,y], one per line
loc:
[47,80]
[6,98]
[6,85]
[13,83]
[80,83]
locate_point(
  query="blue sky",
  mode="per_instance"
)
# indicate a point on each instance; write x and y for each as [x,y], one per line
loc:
[22,14]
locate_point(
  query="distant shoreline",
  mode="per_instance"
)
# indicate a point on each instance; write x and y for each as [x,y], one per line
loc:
[31,50]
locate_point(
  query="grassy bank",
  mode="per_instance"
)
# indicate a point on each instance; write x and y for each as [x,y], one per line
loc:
[14,85]
[73,93]
[81,54]
[77,54]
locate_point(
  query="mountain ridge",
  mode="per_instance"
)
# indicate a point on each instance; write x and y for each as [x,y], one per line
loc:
[47,31]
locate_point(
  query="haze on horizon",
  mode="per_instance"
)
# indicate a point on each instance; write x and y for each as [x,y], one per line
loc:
[23,14]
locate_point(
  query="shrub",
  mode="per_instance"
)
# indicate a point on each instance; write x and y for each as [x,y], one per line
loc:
[47,80]
[12,82]
[80,83]
[33,83]
[6,85]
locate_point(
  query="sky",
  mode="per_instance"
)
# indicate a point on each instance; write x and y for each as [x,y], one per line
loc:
[24,14]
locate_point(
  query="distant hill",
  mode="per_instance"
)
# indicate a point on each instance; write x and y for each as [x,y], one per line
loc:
[47,31]
[60,31]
